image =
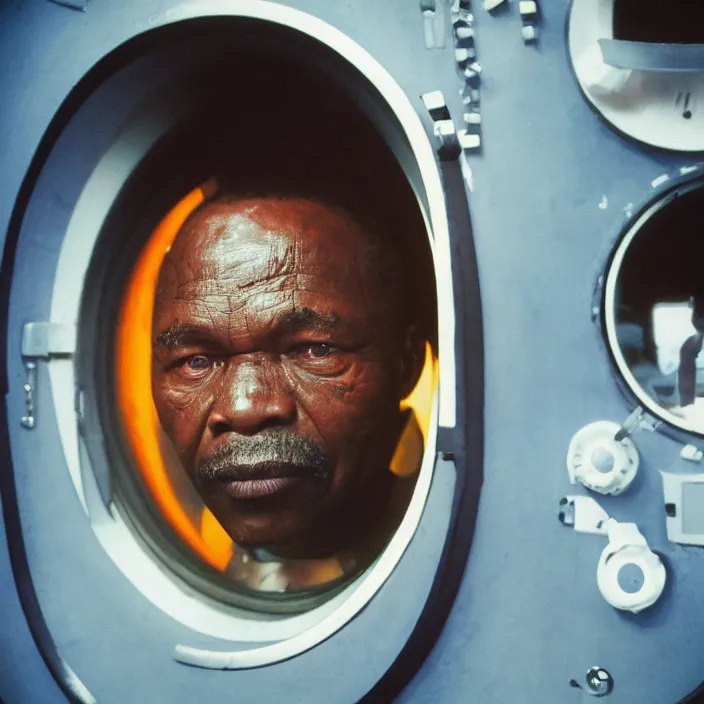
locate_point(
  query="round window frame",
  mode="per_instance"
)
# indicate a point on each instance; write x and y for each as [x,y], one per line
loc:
[587,22]
[689,179]
[107,521]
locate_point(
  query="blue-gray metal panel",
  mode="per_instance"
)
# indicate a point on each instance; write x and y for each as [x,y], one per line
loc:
[23,676]
[529,616]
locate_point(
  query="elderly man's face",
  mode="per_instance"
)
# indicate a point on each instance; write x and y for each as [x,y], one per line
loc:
[278,364]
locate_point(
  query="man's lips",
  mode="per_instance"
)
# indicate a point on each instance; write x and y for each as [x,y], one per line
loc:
[261,480]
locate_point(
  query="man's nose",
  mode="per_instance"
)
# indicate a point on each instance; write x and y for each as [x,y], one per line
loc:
[254,395]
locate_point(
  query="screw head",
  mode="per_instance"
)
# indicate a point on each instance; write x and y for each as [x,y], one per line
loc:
[599,681]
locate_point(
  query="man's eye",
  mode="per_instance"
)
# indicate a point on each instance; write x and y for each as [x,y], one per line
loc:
[319,351]
[322,358]
[198,363]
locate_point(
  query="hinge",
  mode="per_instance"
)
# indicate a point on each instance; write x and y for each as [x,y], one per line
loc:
[42,340]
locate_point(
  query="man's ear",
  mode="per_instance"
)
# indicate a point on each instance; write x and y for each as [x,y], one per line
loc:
[412,360]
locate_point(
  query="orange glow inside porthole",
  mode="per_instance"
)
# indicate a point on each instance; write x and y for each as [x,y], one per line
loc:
[203,534]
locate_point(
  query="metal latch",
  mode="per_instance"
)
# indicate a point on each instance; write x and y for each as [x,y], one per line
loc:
[637,420]
[43,341]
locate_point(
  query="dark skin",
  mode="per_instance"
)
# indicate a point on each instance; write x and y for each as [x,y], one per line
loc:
[272,320]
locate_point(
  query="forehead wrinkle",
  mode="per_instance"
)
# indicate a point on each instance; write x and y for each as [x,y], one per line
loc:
[265,315]
[219,287]
[261,264]
[282,263]
[228,297]
[309,218]
[295,236]
[266,304]
[257,221]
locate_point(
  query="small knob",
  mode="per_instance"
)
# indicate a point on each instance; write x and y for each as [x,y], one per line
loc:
[596,459]
[599,681]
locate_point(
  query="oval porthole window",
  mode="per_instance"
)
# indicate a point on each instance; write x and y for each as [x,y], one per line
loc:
[654,307]
[253,264]
[256,393]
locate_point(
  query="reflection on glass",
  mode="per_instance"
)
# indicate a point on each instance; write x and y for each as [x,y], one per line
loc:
[678,329]
[660,309]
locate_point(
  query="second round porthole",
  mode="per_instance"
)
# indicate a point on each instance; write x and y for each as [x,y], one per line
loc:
[654,306]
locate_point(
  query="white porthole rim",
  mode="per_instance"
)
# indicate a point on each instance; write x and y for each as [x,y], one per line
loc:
[696,182]
[194,611]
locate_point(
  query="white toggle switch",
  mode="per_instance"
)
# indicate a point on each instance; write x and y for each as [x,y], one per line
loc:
[528,8]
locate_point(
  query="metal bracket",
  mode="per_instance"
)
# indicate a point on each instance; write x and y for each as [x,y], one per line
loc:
[42,340]
[27,420]
[637,420]
[584,514]
[45,340]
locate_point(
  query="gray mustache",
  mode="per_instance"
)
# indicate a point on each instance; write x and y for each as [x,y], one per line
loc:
[277,447]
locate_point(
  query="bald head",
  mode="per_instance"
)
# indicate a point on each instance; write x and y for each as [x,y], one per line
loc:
[282,349]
